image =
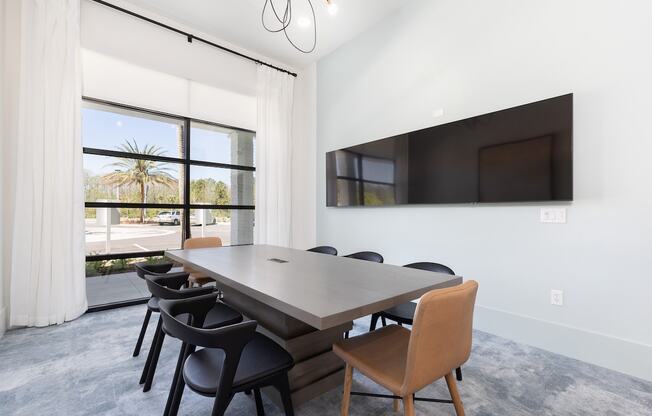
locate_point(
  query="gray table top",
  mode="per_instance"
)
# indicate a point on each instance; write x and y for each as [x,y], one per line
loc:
[321,290]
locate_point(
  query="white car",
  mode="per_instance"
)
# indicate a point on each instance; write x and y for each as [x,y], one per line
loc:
[174,217]
[169,217]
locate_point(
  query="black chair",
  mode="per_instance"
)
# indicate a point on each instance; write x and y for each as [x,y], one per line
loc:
[234,359]
[367,255]
[403,314]
[169,287]
[143,269]
[324,250]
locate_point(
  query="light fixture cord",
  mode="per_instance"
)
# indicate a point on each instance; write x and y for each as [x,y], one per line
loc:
[286,20]
[287,16]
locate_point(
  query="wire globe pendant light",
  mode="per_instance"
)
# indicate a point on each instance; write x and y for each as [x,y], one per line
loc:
[282,18]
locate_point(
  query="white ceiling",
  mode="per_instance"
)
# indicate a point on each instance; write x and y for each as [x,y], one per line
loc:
[239,23]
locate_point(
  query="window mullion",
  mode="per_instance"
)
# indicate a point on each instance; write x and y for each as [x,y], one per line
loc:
[186,180]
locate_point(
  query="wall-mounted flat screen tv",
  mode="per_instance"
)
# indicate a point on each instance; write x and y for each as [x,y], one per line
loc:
[522,154]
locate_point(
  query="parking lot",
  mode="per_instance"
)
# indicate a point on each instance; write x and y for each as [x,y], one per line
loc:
[128,238]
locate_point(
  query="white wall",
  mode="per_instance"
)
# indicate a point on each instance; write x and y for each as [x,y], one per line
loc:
[468,58]
[132,40]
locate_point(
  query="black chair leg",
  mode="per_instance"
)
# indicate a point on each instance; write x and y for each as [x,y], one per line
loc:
[382,319]
[458,373]
[283,386]
[139,343]
[154,362]
[374,321]
[176,398]
[180,385]
[221,403]
[175,378]
[150,354]
[346,335]
[260,410]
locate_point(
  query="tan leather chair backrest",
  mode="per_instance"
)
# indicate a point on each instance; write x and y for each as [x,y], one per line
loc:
[202,242]
[441,335]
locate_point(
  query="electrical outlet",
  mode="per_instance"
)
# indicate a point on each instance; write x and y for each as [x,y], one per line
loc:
[553,215]
[557,297]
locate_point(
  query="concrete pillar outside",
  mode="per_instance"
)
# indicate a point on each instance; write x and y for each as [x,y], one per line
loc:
[242,187]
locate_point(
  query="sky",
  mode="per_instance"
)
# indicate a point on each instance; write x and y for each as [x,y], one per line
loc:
[108,130]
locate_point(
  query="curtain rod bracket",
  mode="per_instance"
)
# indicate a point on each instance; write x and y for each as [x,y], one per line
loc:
[190,38]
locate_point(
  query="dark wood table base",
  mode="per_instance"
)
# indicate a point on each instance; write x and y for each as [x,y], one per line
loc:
[317,369]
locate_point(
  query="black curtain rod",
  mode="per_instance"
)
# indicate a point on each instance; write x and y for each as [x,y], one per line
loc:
[190,36]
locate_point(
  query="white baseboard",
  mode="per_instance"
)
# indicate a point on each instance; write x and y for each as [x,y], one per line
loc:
[3,321]
[623,355]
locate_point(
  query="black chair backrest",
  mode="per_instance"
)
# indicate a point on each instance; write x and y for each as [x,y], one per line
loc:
[324,250]
[143,269]
[431,267]
[198,307]
[231,339]
[169,286]
[367,255]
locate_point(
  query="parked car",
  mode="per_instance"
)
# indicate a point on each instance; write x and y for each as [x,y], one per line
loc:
[174,217]
[169,217]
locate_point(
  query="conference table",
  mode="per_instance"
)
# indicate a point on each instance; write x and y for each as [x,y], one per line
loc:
[306,301]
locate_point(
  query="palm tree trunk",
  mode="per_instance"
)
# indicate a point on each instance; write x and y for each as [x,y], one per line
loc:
[142,200]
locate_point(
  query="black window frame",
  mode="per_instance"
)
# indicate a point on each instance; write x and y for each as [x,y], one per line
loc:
[184,160]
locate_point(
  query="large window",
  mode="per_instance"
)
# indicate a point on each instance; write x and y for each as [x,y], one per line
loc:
[151,181]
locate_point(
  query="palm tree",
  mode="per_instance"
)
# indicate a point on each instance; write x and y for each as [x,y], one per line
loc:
[140,172]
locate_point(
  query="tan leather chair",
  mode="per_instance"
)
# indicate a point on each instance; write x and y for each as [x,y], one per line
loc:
[405,361]
[197,277]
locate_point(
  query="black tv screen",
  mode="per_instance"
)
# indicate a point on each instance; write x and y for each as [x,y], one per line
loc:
[516,155]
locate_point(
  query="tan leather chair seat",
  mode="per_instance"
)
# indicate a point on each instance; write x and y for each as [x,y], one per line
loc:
[380,355]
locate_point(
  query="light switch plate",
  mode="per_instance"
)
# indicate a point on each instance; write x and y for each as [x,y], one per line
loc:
[557,297]
[553,215]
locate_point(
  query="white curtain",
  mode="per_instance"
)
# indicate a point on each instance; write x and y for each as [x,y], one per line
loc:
[273,219]
[46,200]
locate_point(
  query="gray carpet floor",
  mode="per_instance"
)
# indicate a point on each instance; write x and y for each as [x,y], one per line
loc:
[85,367]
